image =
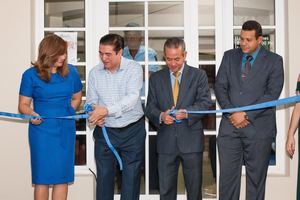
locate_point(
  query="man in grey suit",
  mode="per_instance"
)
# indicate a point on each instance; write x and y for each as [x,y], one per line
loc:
[247,75]
[179,87]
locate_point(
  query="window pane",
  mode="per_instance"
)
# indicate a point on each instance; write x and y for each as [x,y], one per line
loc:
[268,39]
[121,13]
[207,41]
[84,89]
[209,121]
[211,75]
[158,38]
[209,167]
[153,170]
[261,11]
[80,150]
[118,180]
[272,160]
[81,123]
[81,72]
[64,13]
[80,45]
[166,13]
[206,12]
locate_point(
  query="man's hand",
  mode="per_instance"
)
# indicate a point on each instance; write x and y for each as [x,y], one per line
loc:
[166,118]
[100,122]
[238,120]
[98,115]
[181,114]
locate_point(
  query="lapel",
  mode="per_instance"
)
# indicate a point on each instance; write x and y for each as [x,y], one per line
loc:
[167,87]
[237,66]
[185,82]
[258,64]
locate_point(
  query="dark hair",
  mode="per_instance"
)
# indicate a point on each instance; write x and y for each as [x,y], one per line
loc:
[253,25]
[174,42]
[114,40]
[50,48]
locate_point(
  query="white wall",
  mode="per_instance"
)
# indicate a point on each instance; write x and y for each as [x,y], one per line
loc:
[15,50]
[284,187]
[15,55]
[16,39]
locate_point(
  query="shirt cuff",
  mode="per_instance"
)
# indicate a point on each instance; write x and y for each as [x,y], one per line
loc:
[160,121]
[114,111]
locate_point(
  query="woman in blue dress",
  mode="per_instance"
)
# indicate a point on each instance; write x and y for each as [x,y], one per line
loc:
[54,89]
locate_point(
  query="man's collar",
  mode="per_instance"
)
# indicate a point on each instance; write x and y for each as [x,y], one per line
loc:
[181,69]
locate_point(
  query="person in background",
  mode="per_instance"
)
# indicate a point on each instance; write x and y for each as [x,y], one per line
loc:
[134,50]
[54,89]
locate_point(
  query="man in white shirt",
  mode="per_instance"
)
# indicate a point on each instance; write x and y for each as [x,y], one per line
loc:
[114,91]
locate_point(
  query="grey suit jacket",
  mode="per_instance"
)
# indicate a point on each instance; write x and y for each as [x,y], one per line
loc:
[194,94]
[263,83]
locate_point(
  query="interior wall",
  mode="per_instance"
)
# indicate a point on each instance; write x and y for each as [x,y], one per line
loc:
[284,187]
[16,54]
[16,39]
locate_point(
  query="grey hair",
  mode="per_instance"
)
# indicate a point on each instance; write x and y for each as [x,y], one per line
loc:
[174,43]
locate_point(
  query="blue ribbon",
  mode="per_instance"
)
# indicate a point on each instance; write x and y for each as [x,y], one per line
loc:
[258,106]
[88,108]
[274,103]
[267,104]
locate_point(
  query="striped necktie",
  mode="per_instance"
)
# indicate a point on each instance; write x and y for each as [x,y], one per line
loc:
[247,67]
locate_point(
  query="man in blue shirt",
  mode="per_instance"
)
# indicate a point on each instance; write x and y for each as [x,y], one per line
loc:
[134,49]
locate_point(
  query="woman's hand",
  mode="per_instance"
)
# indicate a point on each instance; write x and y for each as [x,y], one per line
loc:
[37,121]
[290,146]
[24,108]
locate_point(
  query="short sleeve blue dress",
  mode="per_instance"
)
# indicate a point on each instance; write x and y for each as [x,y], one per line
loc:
[52,142]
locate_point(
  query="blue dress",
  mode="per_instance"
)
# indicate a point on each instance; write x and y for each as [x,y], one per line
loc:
[52,143]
